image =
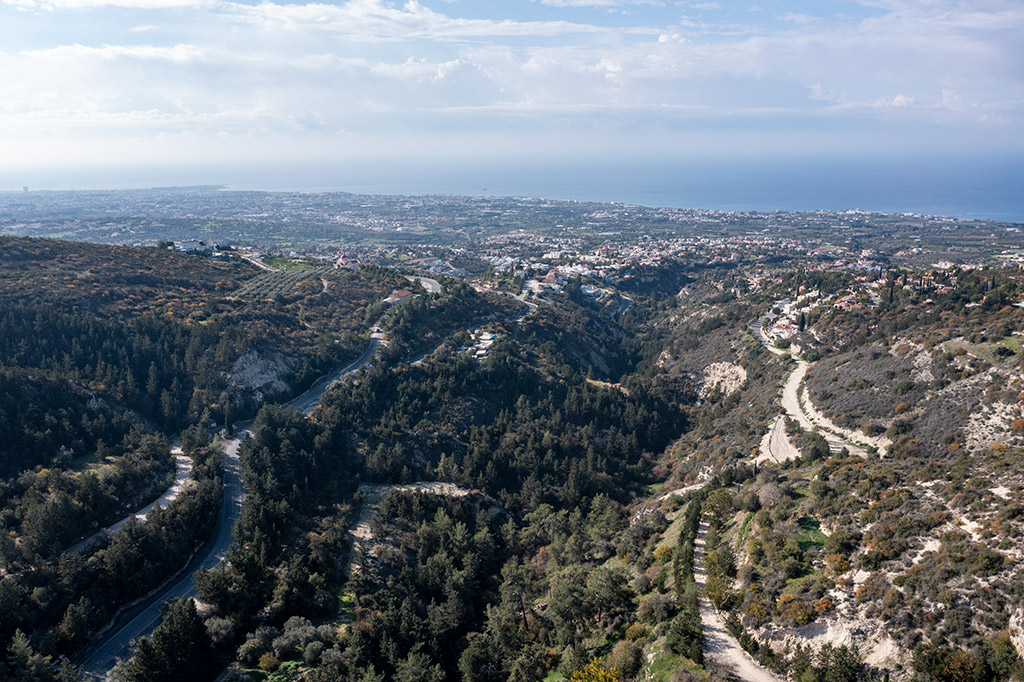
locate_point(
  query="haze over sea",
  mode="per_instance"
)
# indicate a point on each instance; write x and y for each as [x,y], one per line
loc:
[989,188]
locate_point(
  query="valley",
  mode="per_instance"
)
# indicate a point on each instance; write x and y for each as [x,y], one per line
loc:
[724,453]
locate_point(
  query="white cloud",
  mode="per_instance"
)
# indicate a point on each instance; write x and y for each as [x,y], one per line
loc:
[895,101]
[581,3]
[92,4]
[368,20]
[72,53]
[375,71]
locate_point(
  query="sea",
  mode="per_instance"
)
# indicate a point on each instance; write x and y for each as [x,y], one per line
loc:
[965,187]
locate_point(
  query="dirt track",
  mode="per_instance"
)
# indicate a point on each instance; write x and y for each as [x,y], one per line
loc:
[718,643]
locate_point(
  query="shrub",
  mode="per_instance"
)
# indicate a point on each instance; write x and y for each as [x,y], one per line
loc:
[269,662]
[655,608]
[636,631]
[792,608]
[663,554]
[311,656]
[837,564]
[625,658]
[595,672]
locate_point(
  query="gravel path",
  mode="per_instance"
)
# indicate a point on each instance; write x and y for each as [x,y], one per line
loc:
[776,446]
[718,643]
[182,470]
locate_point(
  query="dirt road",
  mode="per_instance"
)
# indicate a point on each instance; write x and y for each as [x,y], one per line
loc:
[798,406]
[776,446]
[718,643]
[182,470]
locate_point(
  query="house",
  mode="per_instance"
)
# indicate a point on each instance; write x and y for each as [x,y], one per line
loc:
[345,261]
[399,296]
[194,246]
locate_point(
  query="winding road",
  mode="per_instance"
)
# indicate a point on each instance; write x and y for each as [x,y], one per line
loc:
[145,617]
[797,404]
[182,469]
[120,643]
[431,285]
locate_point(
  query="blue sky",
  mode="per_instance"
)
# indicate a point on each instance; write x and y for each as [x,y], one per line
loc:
[87,83]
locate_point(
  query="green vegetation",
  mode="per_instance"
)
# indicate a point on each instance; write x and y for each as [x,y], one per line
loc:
[535,511]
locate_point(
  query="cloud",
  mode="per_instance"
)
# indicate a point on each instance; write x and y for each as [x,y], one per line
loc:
[394,73]
[581,3]
[71,53]
[369,20]
[93,4]
[895,101]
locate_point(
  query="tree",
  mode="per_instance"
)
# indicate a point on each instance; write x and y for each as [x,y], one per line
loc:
[963,666]
[626,657]
[179,649]
[416,668]
[717,591]
[26,664]
[686,635]
[1001,655]
[839,664]
[145,665]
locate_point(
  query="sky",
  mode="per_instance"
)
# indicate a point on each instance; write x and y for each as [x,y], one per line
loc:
[106,83]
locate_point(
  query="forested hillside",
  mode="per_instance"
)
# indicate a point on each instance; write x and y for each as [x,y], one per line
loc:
[106,355]
[573,482]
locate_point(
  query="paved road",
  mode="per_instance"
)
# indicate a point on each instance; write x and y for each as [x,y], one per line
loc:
[119,645]
[308,401]
[757,328]
[182,469]
[776,446]
[253,260]
[623,306]
[431,285]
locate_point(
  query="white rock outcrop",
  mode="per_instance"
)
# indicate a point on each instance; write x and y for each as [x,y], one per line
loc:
[725,377]
[1017,630]
[262,373]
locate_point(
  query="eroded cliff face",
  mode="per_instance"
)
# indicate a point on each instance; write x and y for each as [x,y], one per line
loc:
[263,372]
[724,377]
[256,376]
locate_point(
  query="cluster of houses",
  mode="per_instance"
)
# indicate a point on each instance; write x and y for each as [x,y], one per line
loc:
[482,342]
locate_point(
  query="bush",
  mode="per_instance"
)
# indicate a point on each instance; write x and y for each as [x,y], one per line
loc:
[625,658]
[655,608]
[636,632]
[269,662]
[311,656]
[250,651]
